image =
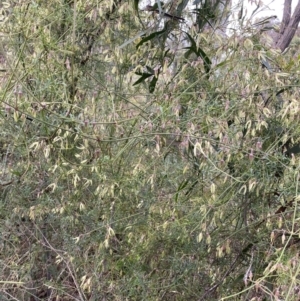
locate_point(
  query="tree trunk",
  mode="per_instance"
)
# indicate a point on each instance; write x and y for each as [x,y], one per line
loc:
[289,25]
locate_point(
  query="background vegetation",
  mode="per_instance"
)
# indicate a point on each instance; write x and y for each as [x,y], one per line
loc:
[145,158]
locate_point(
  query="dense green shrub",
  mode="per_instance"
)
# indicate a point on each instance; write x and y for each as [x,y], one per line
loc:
[165,169]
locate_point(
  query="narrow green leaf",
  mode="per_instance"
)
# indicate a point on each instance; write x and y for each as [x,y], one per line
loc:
[166,52]
[143,77]
[206,60]
[150,37]
[152,84]
[198,52]
[188,53]
[193,46]
[136,6]
[181,187]
[142,33]
[150,70]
